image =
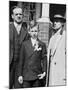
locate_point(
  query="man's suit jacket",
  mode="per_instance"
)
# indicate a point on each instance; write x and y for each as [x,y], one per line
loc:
[32,62]
[13,41]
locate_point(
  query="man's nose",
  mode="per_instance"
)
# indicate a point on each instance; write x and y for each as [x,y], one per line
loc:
[34,33]
[18,15]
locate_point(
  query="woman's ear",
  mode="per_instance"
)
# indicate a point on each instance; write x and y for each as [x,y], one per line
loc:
[62,24]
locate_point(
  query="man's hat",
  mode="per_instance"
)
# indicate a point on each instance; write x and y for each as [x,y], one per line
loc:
[58,17]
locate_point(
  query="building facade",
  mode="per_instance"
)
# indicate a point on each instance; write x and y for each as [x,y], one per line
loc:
[42,12]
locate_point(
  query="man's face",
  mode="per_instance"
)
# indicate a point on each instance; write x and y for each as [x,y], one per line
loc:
[17,15]
[34,32]
[57,24]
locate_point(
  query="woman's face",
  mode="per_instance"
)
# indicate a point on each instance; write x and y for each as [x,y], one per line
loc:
[57,24]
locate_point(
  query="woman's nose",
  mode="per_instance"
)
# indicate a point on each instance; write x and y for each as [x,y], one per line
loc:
[55,23]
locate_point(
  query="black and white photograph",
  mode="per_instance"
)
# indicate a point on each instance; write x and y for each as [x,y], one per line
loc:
[33,48]
[37,44]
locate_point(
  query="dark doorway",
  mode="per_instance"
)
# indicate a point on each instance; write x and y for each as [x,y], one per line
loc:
[56,9]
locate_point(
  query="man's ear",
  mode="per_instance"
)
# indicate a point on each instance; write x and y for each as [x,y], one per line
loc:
[29,31]
[12,16]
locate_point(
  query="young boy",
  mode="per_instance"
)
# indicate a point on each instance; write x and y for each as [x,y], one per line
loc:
[33,60]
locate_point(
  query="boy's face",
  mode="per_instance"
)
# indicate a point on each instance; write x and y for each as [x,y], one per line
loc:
[34,32]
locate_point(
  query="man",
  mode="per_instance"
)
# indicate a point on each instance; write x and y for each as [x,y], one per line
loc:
[32,55]
[17,36]
[56,53]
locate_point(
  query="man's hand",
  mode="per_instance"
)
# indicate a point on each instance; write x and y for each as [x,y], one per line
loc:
[41,76]
[20,79]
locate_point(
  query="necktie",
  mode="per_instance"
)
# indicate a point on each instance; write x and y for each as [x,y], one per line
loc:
[18,29]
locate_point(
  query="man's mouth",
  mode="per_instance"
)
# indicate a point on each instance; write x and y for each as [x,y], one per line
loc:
[19,18]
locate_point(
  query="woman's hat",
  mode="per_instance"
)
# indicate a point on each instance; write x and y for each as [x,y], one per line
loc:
[58,17]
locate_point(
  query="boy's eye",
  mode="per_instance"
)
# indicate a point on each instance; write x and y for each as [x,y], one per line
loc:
[36,31]
[33,31]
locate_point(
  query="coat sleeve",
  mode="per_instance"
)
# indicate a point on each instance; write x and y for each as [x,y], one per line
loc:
[21,60]
[10,44]
[50,46]
[44,58]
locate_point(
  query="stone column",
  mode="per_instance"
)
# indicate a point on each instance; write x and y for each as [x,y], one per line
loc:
[45,10]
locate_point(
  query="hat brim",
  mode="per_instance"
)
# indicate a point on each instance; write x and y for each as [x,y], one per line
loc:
[58,18]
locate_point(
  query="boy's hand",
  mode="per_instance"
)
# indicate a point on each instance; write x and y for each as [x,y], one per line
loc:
[41,76]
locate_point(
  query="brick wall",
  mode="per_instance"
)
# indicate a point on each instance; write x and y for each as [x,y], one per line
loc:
[44,32]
